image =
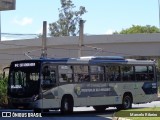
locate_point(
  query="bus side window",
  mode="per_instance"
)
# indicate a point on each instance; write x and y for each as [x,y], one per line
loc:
[141,73]
[49,74]
[94,78]
[46,75]
[113,73]
[53,76]
[127,73]
[97,73]
[81,73]
[65,73]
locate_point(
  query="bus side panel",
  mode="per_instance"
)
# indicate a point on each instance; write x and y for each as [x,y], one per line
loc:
[145,92]
[73,90]
[135,88]
[49,99]
[102,94]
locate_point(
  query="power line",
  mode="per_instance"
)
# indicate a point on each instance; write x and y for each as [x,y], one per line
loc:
[103,50]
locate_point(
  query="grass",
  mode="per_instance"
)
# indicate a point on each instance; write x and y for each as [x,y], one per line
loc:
[140,114]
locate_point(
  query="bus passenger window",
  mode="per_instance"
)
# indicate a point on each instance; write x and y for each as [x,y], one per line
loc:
[81,73]
[46,75]
[127,73]
[141,73]
[53,76]
[94,78]
[113,73]
[144,73]
[65,73]
[97,73]
[49,74]
[63,78]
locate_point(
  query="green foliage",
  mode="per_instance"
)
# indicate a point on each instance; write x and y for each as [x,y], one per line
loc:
[3,90]
[68,22]
[139,29]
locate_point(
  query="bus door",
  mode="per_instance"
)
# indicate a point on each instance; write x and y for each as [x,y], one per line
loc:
[49,80]
[114,78]
[98,86]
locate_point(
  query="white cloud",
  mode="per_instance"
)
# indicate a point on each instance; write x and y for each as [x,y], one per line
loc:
[109,31]
[23,22]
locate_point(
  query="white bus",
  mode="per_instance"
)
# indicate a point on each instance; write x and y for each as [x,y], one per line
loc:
[98,81]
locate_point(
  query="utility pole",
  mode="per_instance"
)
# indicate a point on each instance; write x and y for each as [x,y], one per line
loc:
[0,28]
[44,40]
[81,26]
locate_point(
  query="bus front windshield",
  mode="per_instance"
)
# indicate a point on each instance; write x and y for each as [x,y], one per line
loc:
[24,82]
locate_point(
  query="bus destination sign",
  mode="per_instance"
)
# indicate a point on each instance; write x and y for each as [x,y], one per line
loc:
[25,65]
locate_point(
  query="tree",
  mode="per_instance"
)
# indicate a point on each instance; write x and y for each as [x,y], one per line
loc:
[67,24]
[3,91]
[139,29]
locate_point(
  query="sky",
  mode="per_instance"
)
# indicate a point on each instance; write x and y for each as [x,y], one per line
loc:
[103,16]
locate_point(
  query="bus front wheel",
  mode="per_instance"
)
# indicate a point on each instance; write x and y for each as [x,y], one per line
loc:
[66,105]
[37,110]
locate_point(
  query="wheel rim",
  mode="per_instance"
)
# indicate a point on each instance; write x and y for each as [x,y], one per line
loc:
[127,102]
[66,105]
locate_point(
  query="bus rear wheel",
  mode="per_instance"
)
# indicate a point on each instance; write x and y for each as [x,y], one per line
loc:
[126,103]
[100,108]
[66,105]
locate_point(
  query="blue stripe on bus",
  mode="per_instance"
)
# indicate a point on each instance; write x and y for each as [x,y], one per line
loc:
[57,60]
[107,61]
[150,87]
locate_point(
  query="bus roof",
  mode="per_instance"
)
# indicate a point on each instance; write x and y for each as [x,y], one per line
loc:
[93,60]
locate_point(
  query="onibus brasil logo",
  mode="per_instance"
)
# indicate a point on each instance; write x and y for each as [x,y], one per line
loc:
[14,114]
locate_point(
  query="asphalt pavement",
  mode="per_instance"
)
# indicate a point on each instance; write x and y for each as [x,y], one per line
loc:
[85,113]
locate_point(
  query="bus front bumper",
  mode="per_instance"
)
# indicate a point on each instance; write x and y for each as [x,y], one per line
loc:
[21,103]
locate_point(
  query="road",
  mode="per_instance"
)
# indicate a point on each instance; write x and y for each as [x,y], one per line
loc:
[85,113]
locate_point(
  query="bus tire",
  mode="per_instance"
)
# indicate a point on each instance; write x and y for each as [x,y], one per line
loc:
[67,105]
[46,110]
[10,105]
[126,103]
[100,108]
[37,110]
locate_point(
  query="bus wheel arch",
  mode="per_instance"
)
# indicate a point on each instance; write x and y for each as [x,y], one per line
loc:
[127,101]
[67,104]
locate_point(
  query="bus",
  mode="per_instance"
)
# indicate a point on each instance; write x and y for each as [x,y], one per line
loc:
[65,83]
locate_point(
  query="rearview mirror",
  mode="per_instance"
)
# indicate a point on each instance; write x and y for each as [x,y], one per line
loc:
[4,73]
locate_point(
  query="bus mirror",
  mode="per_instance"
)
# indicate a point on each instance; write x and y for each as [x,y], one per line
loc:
[4,73]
